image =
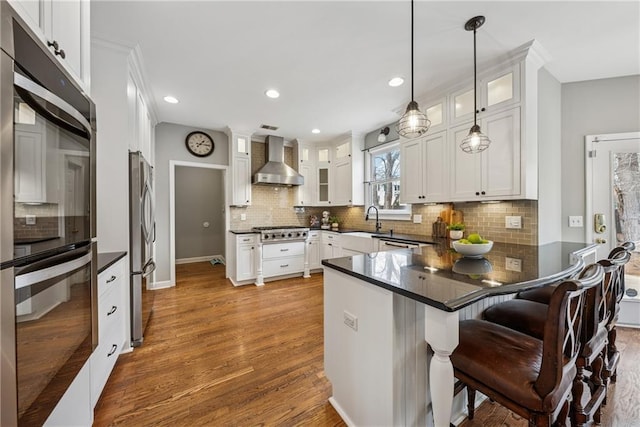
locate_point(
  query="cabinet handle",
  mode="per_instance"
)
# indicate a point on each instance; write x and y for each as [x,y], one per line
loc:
[252,248]
[113,310]
[284,250]
[114,347]
[246,240]
[330,244]
[111,279]
[56,49]
[284,266]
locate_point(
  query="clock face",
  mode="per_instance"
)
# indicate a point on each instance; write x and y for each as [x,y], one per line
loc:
[199,144]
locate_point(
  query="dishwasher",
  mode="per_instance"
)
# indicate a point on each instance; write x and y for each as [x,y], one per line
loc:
[390,245]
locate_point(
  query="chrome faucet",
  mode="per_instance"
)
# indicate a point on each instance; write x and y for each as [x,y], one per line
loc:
[378,223]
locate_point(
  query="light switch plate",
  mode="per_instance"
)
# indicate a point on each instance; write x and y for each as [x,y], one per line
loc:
[417,219]
[575,221]
[513,264]
[513,222]
[30,219]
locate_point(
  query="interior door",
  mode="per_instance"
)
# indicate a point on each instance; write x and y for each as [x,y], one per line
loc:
[613,196]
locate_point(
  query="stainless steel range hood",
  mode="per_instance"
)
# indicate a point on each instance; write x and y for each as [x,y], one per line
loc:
[275,171]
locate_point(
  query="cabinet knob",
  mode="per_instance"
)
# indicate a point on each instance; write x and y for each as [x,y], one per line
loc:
[56,48]
[483,193]
[477,193]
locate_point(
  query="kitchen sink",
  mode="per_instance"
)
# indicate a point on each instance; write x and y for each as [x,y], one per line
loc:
[361,234]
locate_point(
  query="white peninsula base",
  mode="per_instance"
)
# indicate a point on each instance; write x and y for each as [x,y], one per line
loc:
[376,356]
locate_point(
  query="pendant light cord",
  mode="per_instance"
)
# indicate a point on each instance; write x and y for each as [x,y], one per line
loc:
[411,50]
[475,80]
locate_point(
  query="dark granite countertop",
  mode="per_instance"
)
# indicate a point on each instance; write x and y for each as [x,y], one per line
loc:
[107,259]
[244,231]
[442,278]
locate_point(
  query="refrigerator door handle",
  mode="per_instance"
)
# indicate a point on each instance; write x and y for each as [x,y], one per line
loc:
[148,268]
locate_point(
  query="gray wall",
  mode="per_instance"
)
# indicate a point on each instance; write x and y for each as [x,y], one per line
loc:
[549,158]
[591,108]
[170,146]
[199,199]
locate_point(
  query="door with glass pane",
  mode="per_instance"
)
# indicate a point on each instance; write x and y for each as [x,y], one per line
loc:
[613,198]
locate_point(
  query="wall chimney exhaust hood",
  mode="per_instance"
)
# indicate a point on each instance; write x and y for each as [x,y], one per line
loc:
[275,171]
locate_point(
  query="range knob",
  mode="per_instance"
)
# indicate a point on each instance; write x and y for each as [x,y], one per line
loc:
[298,234]
[265,236]
[290,235]
[304,234]
[282,235]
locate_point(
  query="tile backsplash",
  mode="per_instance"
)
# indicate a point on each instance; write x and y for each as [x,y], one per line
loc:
[46,218]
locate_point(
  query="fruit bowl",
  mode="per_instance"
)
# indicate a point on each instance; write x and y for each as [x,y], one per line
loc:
[472,250]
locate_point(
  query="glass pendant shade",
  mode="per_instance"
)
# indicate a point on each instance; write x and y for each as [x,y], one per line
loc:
[413,123]
[475,142]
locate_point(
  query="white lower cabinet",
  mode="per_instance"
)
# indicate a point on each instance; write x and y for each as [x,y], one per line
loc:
[246,257]
[112,283]
[314,250]
[280,259]
[75,408]
[331,245]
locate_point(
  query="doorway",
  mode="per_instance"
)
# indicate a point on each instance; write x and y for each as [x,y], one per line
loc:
[613,203]
[188,182]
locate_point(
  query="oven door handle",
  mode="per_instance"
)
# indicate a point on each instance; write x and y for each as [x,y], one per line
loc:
[52,267]
[27,88]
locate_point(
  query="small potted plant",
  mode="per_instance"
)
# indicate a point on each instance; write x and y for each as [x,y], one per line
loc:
[334,221]
[456,230]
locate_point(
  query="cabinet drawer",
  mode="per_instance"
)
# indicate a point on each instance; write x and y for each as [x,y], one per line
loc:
[103,359]
[314,235]
[282,266]
[247,239]
[278,250]
[112,277]
[110,311]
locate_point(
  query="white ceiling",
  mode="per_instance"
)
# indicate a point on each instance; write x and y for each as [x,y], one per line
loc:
[331,60]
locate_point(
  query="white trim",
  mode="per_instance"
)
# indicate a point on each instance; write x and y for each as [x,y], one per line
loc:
[199,259]
[162,285]
[172,208]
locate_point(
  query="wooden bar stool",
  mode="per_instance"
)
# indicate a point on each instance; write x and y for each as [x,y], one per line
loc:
[528,317]
[530,376]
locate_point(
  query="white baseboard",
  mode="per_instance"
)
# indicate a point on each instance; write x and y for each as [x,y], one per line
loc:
[162,285]
[198,259]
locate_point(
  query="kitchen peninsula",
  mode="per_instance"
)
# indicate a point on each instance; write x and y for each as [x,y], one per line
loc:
[388,315]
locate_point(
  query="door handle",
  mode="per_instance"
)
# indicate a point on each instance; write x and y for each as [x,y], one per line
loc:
[599,223]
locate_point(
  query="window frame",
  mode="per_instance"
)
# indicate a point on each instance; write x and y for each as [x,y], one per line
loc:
[386,214]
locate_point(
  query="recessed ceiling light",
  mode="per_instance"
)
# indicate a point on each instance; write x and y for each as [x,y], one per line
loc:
[170,99]
[396,81]
[272,93]
[315,131]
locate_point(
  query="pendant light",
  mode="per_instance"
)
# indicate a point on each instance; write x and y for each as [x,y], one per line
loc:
[476,141]
[413,123]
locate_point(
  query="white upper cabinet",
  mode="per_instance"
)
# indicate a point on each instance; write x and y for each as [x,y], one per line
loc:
[63,26]
[323,176]
[141,126]
[348,172]
[240,161]
[437,113]
[494,173]
[424,176]
[496,91]
[307,168]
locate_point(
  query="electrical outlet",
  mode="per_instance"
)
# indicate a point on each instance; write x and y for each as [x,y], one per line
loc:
[350,320]
[30,219]
[417,219]
[575,221]
[513,222]
[243,217]
[513,264]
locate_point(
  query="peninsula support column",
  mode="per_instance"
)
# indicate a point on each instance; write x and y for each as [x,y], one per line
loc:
[441,333]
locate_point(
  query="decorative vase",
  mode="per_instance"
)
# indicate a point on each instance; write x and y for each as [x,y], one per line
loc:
[335,225]
[456,234]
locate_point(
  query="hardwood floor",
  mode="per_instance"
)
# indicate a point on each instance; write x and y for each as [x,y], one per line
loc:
[218,355]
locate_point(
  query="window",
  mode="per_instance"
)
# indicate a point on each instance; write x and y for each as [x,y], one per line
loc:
[384,184]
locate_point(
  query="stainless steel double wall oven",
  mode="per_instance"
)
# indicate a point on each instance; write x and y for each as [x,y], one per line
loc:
[47,226]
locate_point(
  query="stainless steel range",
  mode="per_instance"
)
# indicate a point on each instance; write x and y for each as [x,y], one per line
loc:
[282,233]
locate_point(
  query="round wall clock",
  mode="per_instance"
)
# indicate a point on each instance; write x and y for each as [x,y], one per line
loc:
[199,144]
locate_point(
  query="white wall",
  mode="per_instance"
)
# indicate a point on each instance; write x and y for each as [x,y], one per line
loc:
[199,198]
[170,145]
[109,92]
[549,158]
[590,108]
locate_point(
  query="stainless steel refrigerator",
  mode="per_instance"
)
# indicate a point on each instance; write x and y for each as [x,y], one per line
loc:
[142,230]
